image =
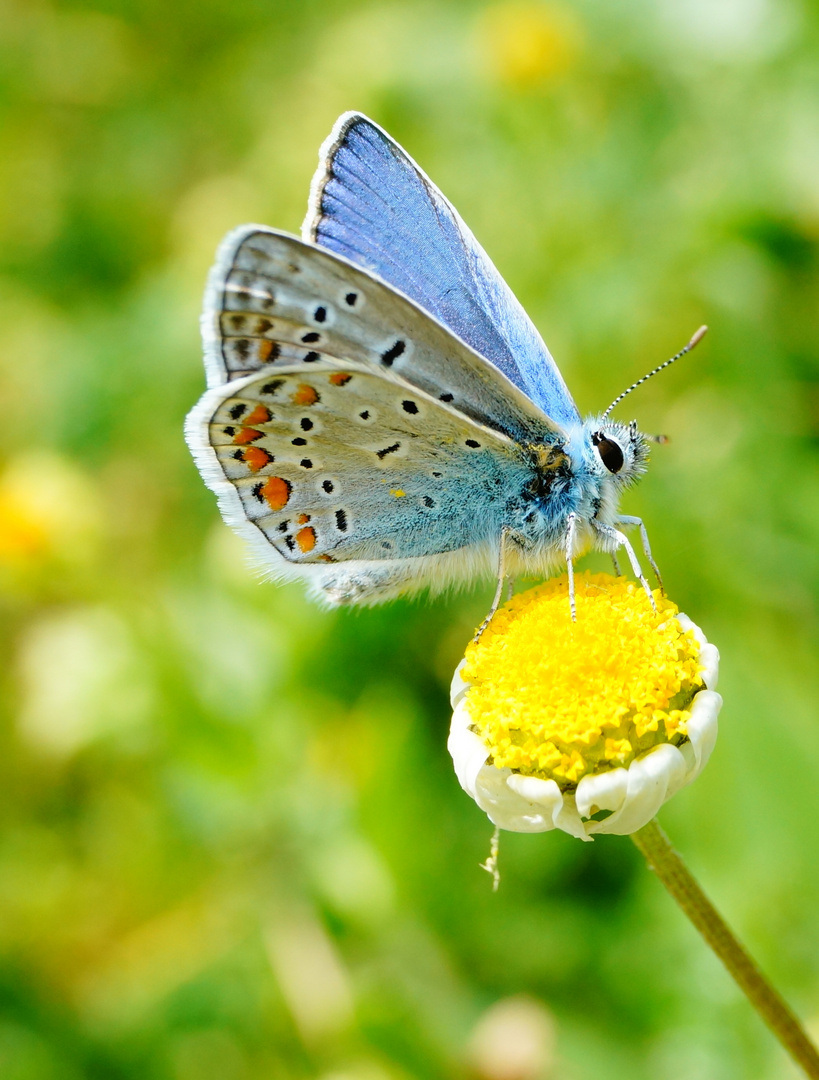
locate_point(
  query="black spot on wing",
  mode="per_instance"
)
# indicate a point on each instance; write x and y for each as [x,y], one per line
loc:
[320,314]
[306,463]
[473,444]
[381,454]
[305,423]
[328,486]
[445,397]
[350,299]
[310,337]
[299,441]
[237,410]
[409,407]
[394,351]
[310,358]
[272,386]
[341,521]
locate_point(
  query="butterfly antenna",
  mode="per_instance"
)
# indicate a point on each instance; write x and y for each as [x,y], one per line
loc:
[695,340]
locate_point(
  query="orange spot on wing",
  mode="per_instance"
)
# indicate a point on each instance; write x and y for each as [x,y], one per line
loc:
[306,539]
[340,378]
[256,458]
[265,349]
[305,395]
[302,519]
[276,492]
[260,415]
[247,435]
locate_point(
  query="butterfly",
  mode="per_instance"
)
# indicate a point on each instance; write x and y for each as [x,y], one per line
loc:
[381,414]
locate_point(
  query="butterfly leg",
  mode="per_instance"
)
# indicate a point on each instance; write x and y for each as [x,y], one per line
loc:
[505,534]
[627,519]
[571,528]
[616,563]
[619,539]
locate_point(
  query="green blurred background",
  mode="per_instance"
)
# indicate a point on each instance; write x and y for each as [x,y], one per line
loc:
[233,846]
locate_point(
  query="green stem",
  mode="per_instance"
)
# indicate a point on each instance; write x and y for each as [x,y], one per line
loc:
[672,871]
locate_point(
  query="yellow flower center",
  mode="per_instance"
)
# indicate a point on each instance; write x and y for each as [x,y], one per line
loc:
[561,699]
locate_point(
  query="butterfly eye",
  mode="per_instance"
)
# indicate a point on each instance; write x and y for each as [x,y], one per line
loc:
[611,453]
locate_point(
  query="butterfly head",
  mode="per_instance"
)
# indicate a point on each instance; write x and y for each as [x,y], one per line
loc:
[619,451]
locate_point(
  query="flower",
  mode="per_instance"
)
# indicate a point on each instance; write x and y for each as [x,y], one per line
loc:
[526,44]
[586,726]
[36,531]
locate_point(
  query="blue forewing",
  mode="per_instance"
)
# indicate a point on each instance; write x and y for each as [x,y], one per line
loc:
[372,204]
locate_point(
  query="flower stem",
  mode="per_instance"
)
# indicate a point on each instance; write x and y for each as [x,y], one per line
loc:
[672,871]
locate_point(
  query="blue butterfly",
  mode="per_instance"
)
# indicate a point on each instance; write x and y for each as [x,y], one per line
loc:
[381,414]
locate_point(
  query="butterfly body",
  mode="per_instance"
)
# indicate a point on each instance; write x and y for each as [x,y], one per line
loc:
[381,414]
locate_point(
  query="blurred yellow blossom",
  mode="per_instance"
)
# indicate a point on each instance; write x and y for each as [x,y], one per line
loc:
[525,44]
[48,511]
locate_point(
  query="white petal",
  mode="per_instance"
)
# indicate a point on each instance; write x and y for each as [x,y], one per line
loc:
[651,778]
[508,810]
[709,654]
[709,658]
[467,749]
[606,791]
[546,793]
[535,790]
[689,624]
[702,730]
[458,686]
[568,819]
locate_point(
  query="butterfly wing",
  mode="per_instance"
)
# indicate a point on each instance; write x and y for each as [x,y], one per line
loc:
[337,472]
[372,204]
[273,300]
